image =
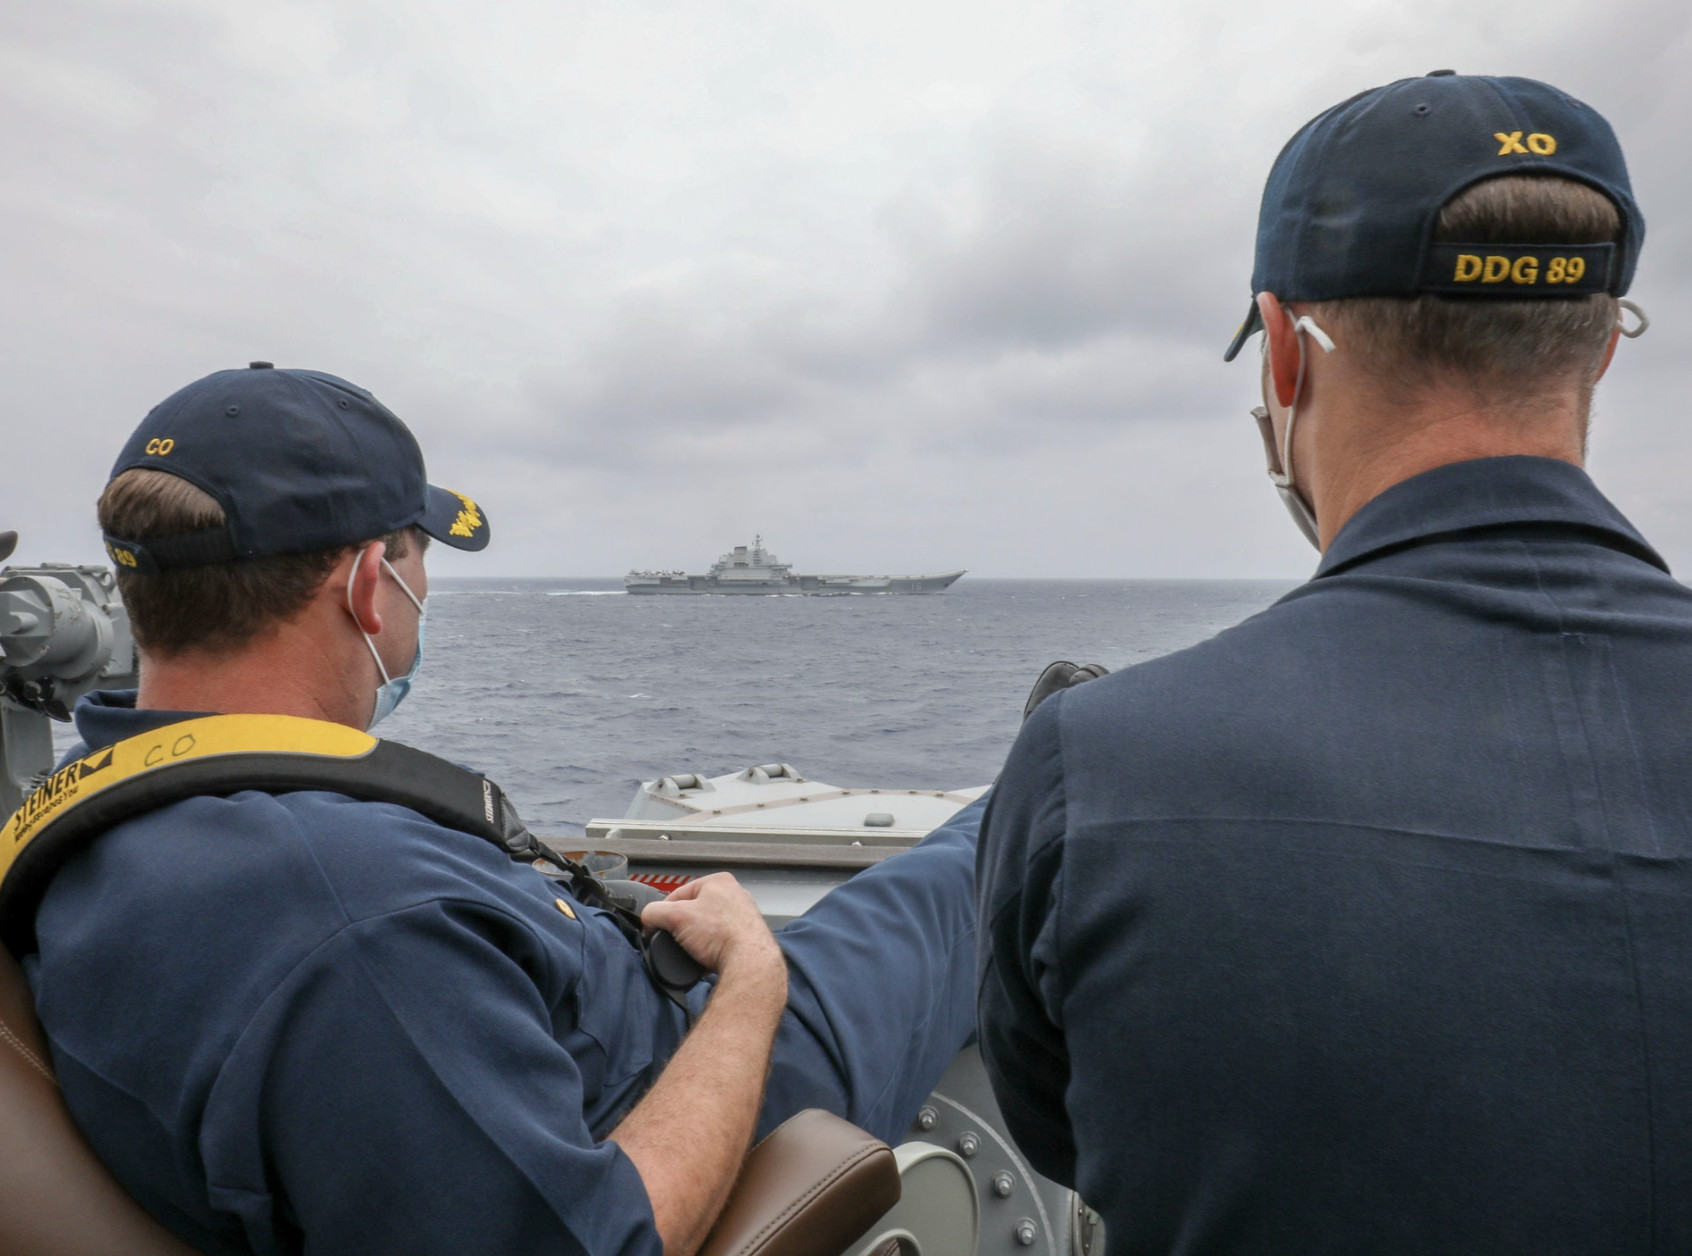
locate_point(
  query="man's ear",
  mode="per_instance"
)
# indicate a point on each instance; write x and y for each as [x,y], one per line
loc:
[1282,342]
[364,569]
[1609,354]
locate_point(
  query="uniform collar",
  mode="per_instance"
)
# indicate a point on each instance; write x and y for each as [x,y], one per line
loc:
[109,715]
[1482,493]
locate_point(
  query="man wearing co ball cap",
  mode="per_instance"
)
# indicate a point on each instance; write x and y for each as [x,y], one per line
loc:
[313,1019]
[1366,926]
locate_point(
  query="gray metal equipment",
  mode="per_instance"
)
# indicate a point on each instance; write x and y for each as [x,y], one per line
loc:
[936,1215]
[63,632]
[1016,1211]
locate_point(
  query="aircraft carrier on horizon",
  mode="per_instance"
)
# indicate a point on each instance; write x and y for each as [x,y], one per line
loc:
[754,570]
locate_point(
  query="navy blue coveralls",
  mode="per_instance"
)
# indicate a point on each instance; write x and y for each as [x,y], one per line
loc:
[1366,926]
[301,1023]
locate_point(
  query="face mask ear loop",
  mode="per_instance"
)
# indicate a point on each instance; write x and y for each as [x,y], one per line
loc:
[1631,307]
[404,587]
[351,576]
[1304,324]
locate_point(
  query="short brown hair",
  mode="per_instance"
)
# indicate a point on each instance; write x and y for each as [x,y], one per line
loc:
[1503,348]
[218,607]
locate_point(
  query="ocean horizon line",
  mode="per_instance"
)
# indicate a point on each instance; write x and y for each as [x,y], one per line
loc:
[972,579]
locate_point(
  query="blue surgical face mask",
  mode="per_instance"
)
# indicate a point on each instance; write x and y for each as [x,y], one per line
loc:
[391,692]
[393,689]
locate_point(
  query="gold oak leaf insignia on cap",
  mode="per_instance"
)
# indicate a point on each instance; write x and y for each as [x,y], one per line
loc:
[469,519]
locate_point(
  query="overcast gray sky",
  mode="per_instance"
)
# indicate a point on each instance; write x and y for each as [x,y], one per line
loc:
[904,286]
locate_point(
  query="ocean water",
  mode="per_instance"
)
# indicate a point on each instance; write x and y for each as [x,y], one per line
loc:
[570,692]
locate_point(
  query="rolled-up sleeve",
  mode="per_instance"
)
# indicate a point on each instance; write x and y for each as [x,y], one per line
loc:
[1019,884]
[403,1090]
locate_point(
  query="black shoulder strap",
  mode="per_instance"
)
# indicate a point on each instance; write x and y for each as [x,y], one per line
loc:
[218,755]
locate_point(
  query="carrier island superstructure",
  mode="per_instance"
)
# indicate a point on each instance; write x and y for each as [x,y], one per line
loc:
[753,569]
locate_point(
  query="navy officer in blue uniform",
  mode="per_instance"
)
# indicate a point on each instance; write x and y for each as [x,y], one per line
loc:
[303,1023]
[1366,926]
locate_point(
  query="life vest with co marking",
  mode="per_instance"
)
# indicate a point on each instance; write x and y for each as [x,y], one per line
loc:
[219,755]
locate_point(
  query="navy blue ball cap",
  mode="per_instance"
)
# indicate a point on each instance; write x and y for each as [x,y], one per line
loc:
[299,461]
[1351,203]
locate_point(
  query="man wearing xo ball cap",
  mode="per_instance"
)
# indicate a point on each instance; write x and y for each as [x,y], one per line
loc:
[302,1021]
[1366,926]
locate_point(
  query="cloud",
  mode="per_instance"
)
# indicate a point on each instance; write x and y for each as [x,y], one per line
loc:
[901,286]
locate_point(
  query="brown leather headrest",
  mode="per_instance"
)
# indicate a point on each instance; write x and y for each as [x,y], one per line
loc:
[56,1198]
[20,1032]
[811,1188]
